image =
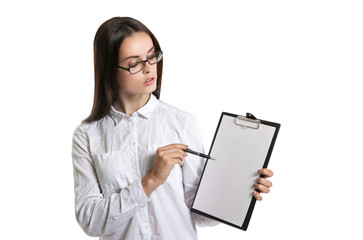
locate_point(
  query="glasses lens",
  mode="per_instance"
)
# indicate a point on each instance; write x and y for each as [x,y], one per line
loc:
[156,57]
[153,59]
[137,68]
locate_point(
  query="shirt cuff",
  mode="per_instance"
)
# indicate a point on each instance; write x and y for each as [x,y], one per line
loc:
[136,192]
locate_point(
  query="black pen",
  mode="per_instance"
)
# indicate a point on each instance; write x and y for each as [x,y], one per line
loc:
[198,154]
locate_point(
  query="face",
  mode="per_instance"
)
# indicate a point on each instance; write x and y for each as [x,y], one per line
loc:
[136,48]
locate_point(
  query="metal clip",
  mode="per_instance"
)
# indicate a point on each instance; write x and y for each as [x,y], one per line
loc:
[246,122]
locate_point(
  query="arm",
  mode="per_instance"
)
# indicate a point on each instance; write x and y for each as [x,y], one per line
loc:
[97,215]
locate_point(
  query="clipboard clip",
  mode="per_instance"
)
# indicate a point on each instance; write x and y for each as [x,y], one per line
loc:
[249,121]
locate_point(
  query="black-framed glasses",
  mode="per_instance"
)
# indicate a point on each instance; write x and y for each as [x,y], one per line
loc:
[140,65]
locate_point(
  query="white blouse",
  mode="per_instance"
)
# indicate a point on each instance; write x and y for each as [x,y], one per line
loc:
[112,155]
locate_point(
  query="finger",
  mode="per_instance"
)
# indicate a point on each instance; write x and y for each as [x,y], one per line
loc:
[174,145]
[174,155]
[264,182]
[266,172]
[174,161]
[178,157]
[261,188]
[167,152]
[173,152]
[257,196]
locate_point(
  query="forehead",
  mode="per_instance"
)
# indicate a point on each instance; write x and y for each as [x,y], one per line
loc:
[138,44]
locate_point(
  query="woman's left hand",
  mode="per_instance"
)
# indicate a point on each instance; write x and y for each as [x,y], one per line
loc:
[263,185]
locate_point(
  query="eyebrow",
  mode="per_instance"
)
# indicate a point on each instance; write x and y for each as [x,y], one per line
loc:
[138,56]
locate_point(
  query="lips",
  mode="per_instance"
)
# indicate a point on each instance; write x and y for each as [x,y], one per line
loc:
[149,81]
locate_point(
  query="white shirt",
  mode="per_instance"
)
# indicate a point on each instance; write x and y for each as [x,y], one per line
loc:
[112,155]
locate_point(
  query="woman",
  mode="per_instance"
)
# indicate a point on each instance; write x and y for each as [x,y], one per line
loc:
[132,178]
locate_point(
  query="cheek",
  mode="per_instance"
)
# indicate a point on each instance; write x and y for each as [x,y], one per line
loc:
[125,81]
[130,83]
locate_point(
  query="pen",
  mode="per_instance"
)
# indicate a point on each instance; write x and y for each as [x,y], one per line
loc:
[198,153]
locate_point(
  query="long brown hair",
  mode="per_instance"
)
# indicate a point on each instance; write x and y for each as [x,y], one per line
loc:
[107,42]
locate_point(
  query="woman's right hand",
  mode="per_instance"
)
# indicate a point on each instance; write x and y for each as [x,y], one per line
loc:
[166,158]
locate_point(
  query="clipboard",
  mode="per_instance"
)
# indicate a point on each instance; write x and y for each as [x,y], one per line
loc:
[242,145]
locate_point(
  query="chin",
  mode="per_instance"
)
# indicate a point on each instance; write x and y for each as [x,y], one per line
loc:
[152,88]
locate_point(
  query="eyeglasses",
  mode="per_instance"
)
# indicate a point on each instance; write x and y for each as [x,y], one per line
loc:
[140,65]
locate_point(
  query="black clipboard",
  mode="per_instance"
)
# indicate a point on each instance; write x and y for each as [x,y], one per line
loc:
[241,145]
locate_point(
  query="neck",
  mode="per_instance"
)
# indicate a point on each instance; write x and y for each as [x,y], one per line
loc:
[130,103]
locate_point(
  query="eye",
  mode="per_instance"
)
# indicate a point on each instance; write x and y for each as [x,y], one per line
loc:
[152,56]
[132,65]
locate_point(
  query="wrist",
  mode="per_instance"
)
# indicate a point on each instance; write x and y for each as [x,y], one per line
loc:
[150,183]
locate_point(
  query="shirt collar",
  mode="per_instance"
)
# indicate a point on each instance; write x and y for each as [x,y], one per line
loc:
[147,109]
[144,111]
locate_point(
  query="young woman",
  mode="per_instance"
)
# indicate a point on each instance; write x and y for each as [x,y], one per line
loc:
[132,178]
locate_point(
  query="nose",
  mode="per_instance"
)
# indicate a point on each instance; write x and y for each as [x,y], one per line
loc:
[147,67]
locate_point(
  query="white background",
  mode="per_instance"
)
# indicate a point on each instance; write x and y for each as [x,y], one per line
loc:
[298,63]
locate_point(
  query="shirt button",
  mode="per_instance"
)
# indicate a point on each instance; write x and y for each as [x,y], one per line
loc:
[133,143]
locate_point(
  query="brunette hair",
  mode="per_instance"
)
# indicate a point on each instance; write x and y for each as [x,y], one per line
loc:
[107,42]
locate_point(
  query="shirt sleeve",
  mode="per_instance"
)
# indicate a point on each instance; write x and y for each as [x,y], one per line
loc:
[99,216]
[193,167]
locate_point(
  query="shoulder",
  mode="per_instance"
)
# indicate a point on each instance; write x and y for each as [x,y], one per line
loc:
[80,133]
[84,129]
[175,114]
